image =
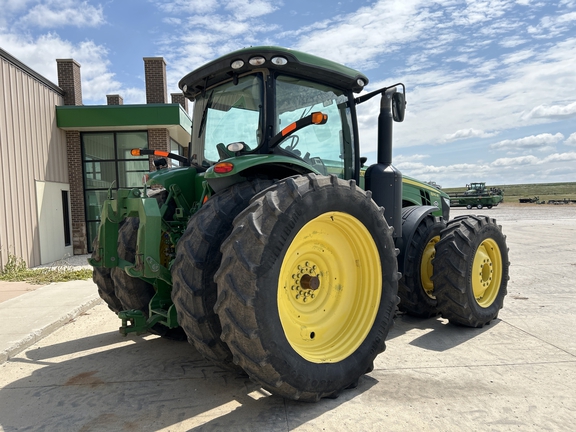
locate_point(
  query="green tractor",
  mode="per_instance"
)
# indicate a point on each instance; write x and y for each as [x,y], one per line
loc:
[272,249]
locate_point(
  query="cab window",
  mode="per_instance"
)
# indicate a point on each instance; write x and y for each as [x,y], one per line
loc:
[327,147]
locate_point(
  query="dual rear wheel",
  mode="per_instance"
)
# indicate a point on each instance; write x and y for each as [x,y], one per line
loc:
[458,269]
[306,287]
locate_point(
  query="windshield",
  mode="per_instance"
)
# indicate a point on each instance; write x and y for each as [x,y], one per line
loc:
[327,147]
[225,114]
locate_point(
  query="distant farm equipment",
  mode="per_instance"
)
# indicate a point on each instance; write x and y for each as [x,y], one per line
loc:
[536,200]
[477,196]
[530,200]
[562,201]
[434,184]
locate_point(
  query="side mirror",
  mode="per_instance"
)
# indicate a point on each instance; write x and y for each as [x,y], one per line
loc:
[398,107]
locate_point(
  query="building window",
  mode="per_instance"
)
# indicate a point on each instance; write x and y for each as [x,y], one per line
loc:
[177,149]
[108,164]
[66,216]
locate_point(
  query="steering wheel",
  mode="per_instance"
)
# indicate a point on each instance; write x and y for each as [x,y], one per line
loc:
[294,140]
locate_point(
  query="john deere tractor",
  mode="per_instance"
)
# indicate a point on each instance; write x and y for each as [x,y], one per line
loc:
[273,250]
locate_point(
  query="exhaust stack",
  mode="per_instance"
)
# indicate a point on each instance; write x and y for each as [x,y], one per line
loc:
[383,179]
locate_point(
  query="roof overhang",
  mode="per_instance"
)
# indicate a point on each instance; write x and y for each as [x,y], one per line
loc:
[104,118]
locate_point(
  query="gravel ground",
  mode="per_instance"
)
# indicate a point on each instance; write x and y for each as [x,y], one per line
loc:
[76,261]
[516,374]
[515,212]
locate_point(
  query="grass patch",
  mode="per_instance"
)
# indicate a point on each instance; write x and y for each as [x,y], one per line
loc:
[16,270]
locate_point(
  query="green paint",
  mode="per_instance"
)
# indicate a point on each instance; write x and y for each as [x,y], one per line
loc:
[122,116]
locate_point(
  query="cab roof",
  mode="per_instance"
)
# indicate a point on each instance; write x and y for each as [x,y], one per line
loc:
[297,63]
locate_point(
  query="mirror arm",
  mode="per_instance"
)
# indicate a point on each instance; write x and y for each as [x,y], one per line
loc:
[368,96]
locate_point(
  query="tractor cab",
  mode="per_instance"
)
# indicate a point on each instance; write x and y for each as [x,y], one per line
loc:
[248,103]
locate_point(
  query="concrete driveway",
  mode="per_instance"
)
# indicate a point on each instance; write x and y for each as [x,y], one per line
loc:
[519,373]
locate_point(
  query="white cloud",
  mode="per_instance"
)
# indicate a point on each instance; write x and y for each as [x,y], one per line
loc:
[181,7]
[467,133]
[58,13]
[560,157]
[533,142]
[520,160]
[358,38]
[244,9]
[409,158]
[552,26]
[533,160]
[554,111]
[478,12]
[513,41]
[518,56]
[172,21]
[571,140]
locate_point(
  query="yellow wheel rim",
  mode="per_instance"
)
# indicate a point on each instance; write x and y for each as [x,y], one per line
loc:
[329,288]
[487,273]
[426,267]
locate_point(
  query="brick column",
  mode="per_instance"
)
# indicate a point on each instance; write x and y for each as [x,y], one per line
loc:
[155,73]
[76,192]
[158,139]
[180,99]
[114,100]
[69,81]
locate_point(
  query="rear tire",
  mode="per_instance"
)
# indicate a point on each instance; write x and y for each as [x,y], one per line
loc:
[471,271]
[198,257]
[416,288]
[307,288]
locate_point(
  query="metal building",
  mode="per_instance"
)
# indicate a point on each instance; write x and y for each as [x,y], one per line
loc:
[60,157]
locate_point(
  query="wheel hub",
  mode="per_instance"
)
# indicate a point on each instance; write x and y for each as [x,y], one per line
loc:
[426,267]
[306,281]
[486,272]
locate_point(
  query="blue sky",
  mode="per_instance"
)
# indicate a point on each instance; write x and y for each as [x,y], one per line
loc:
[491,84]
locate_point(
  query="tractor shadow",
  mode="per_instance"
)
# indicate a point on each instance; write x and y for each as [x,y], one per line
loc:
[108,382]
[436,333]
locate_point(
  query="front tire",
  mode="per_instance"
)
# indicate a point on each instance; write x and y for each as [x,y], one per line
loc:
[103,280]
[123,292]
[471,271]
[133,292]
[307,288]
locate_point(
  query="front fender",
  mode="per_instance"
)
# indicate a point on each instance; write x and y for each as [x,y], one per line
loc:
[130,203]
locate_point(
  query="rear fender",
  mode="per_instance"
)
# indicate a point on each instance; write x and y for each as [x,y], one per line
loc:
[411,218]
[246,166]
